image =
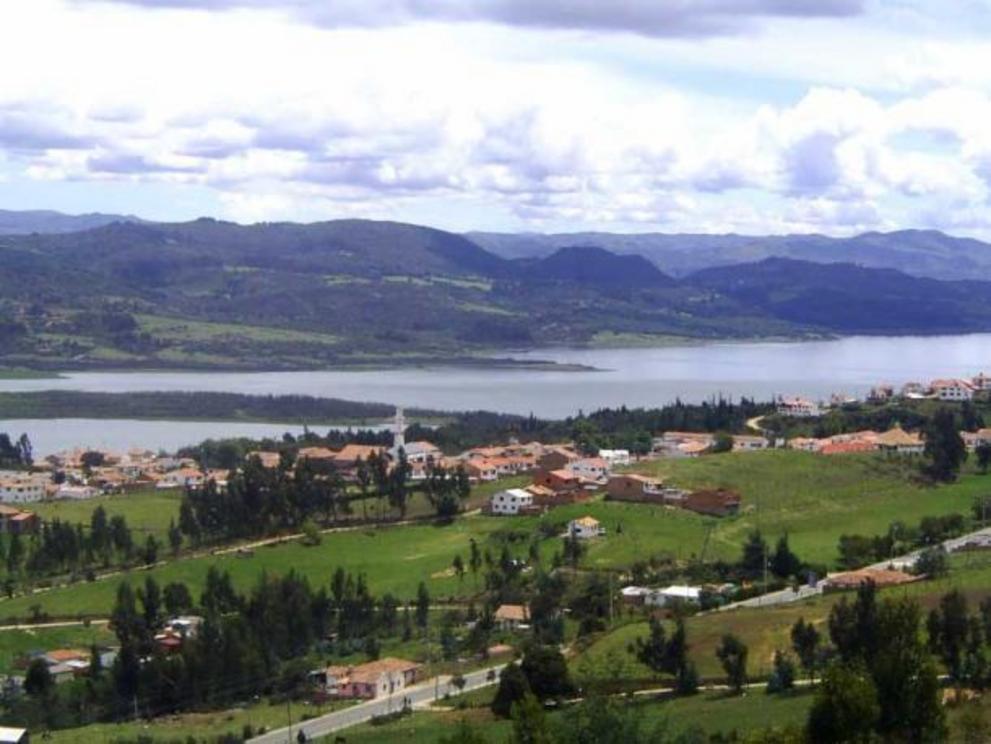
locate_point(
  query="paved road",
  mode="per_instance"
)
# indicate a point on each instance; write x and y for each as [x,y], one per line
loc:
[420,696]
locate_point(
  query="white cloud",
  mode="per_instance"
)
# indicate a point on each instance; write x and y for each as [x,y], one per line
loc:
[287,120]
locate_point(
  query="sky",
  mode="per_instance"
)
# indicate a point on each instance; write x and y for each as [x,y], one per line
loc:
[748,116]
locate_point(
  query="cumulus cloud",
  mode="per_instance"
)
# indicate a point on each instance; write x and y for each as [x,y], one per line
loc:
[283,120]
[671,18]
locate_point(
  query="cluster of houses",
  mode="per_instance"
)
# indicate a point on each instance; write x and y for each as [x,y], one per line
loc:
[564,477]
[948,389]
[895,441]
[84,473]
[63,664]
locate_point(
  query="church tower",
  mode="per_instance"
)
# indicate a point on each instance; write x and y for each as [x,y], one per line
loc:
[398,430]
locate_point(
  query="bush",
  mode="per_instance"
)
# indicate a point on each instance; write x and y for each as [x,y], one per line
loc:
[783,676]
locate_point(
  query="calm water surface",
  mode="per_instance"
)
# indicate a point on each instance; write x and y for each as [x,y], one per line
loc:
[634,377]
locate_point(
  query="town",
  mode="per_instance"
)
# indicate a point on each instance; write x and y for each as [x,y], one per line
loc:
[642,533]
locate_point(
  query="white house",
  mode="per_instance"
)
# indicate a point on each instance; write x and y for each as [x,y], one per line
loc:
[797,407]
[585,528]
[182,478]
[615,457]
[20,488]
[673,594]
[749,443]
[66,491]
[511,501]
[592,468]
[953,389]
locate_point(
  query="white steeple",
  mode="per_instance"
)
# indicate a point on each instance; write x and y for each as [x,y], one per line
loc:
[398,430]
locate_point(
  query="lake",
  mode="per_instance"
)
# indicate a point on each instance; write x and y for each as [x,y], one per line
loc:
[632,377]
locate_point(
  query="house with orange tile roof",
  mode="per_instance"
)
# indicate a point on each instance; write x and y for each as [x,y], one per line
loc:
[268,460]
[511,616]
[350,454]
[854,447]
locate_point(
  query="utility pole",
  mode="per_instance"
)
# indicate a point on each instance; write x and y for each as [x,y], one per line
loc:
[289,716]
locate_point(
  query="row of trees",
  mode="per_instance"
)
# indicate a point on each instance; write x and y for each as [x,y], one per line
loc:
[61,547]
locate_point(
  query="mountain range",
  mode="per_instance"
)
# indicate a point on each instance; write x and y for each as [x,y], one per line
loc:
[216,294]
[927,253]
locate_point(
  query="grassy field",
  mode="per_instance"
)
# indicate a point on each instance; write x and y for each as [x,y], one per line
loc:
[815,499]
[174,329]
[395,559]
[147,511]
[711,713]
[766,630]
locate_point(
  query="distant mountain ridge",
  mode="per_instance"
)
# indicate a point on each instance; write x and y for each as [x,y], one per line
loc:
[927,253]
[47,221]
[209,293]
[847,298]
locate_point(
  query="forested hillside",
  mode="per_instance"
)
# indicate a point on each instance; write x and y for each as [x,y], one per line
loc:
[210,294]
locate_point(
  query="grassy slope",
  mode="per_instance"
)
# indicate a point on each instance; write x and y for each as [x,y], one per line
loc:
[767,629]
[146,512]
[816,499]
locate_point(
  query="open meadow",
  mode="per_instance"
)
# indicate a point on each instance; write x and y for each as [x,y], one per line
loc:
[815,499]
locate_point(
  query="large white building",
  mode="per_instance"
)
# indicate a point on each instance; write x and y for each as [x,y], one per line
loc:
[953,389]
[797,407]
[615,457]
[511,501]
[22,488]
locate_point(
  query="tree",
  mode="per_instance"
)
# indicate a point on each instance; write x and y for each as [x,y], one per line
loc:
[459,568]
[932,562]
[754,555]
[175,538]
[151,602]
[176,598]
[652,651]
[422,605]
[732,654]
[783,674]
[150,552]
[311,533]
[546,671]
[530,722]
[805,641]
[784,563]
[723,442]
[38,681]
[513,687]
[945,449]
[845,708]
[474,558]
[948,627]
[983,453]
